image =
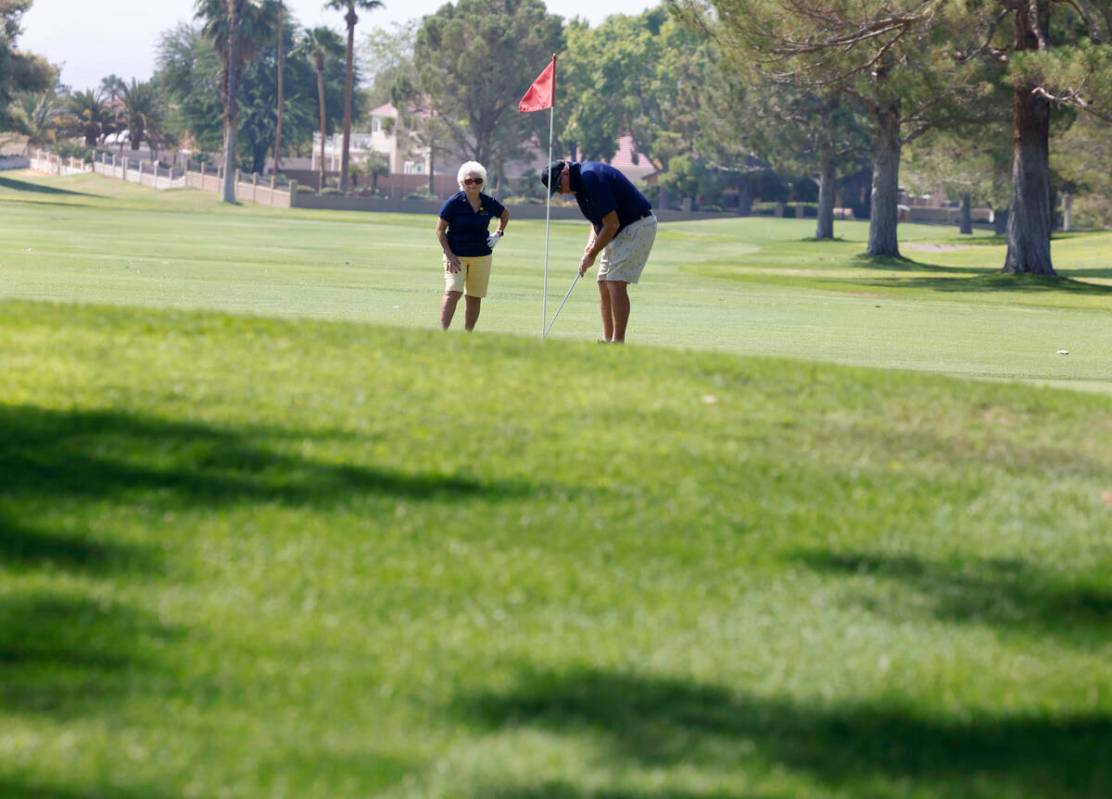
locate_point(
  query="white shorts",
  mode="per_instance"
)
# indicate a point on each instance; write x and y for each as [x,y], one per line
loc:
[626,255]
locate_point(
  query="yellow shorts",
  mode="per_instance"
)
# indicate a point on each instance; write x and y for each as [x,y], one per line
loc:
[472,279]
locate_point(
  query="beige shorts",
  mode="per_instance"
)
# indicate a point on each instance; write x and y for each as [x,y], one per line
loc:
[626,255]
[472,279]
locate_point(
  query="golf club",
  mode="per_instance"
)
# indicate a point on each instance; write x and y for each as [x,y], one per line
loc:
[562,304]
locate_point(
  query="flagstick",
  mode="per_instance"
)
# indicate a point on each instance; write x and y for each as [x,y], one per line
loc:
[547,212]
[535,100]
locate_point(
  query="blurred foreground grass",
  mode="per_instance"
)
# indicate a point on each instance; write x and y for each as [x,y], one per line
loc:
[245,557]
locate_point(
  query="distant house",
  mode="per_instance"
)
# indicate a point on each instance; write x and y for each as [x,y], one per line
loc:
[383,138]
[408,162]
[635,167]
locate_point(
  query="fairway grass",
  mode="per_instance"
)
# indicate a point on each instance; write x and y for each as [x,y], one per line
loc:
[265,532]
[251,557]
[754,286]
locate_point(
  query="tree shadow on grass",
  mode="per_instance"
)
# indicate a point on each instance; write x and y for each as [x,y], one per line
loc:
[68,649]
[876,749]
[68,656]
[559,789]
[904,264]
[38,188]
[24,546]
[976,278]
[37,203]
[995,282]
[87,455]
[14,788]
[1008,594]
[1070,272]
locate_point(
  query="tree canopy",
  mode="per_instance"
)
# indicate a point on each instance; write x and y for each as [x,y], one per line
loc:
[19,71]
[474,60]
[189,70]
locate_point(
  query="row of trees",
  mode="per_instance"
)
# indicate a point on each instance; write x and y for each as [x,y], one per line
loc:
[961,93]
[952,68]
[242,80]
[717,91]
[241,31]
[32,102]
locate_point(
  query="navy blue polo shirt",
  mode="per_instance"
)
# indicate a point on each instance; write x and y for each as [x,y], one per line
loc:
[468,230]
[600,188]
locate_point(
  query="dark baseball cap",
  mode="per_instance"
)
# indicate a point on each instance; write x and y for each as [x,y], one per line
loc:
[551,176]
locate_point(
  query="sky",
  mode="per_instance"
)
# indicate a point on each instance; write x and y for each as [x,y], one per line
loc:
[95,38]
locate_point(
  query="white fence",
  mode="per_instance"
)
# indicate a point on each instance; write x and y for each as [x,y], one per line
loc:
[253,189]
[50,164]
[142,172]
[151,174]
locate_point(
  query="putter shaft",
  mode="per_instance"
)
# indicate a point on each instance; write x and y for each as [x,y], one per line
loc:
[562,304]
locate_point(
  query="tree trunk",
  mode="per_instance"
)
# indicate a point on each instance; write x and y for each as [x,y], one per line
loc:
[744,199]
[1031,217]
[232,111]
[432,168]
[824,227]
[965,222]
[884,214]
[1067,212]
[349,79]
[281,89]
[1000,220]
[323,125]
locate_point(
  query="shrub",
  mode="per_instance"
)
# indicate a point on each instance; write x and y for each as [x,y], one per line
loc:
[66,151]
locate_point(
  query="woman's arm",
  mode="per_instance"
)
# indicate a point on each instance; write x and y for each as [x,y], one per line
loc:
[442,237]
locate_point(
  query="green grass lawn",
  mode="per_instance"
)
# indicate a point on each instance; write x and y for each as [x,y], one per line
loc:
[268,556]
[749,286]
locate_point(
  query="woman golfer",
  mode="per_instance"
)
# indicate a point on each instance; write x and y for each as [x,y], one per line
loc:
[464,234]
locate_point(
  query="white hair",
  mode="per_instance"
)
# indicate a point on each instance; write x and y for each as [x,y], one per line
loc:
[467,169]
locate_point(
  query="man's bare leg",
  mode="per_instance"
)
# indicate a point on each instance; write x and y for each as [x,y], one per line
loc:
[619,309]
[448,308]
[471,315]
[604,309]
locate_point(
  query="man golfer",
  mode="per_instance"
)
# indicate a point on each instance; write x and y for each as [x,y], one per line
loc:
[623,229]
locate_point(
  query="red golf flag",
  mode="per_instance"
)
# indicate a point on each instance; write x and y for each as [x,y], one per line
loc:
[542,94]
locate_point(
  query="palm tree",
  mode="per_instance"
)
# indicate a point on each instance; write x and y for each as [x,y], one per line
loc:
[351,18]
[236,28]
[280,10]
[142,111]
[319,44]
[93,115]
[38,115]
[113,86]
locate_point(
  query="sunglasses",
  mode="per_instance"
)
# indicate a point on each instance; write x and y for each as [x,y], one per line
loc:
[475,181]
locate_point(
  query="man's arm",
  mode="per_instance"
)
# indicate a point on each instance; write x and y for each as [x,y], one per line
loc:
[599,240]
